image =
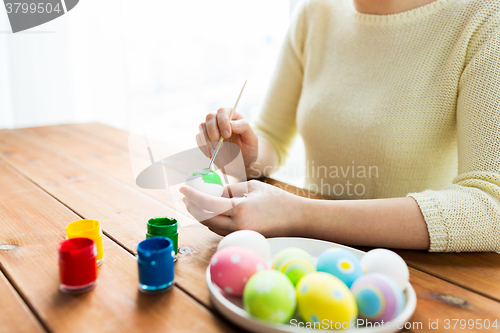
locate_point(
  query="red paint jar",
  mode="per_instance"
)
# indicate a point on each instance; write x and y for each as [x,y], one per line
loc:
[77,265]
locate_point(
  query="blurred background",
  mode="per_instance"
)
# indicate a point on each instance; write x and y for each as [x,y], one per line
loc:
[124,62]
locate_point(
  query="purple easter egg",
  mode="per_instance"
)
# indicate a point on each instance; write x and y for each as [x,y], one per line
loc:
[378,297]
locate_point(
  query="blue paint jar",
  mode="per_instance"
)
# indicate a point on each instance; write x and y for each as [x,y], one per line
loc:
[155,258]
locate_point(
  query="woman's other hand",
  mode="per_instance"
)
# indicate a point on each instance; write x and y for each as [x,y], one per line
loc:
[255,206]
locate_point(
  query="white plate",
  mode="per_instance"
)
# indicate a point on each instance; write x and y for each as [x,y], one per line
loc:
[232,307]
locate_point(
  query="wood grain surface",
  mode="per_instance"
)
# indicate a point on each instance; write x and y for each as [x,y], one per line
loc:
[36,224]
[15,316]
[62,173]
[122,210]
[108,158]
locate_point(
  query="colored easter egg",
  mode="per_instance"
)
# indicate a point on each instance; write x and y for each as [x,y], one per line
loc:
[249,239]
[323,297]
[294,263]
[340,263]
[269,295]
[232,267]
[388,263]
[207,181]
[378,297]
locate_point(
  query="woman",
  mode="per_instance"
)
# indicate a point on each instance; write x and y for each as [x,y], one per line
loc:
[409,88]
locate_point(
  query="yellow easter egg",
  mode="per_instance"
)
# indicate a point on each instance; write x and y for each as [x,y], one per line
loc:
[324,300]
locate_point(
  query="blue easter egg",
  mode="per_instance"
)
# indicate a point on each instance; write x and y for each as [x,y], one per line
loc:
[341,264]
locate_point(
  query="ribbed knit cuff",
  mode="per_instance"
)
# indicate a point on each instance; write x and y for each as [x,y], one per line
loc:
[434,218]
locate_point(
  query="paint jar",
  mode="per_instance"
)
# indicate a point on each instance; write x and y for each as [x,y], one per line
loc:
[87,229]
[155,259]
[163,227]
[77,265]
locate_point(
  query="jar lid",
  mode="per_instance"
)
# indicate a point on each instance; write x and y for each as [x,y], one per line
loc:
[84,228]
[76,249]
[155,249]
[162,226]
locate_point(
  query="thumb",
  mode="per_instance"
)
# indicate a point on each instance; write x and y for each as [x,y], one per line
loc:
[242,127]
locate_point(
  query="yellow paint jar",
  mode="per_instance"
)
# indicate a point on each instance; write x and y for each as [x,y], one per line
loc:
[87,229]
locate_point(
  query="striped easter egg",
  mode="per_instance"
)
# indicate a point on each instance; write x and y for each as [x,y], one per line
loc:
[378,297]
[294,263]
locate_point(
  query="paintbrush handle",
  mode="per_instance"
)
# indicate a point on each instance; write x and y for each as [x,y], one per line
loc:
[234,108]
[219,144]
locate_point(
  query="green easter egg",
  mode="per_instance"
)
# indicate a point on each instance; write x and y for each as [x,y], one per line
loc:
[208,176]
[294,263]
[269,295]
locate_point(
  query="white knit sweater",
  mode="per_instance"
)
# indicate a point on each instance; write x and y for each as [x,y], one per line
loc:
[410,102]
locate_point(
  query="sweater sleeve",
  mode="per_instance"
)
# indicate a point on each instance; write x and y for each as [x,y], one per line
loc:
[276,121]
[465,217]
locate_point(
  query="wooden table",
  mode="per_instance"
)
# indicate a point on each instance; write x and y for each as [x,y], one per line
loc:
[51,176]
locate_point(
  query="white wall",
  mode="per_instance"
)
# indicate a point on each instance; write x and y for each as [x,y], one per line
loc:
[121,62]
[106,60]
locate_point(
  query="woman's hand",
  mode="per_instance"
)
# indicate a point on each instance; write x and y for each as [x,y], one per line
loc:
[236,130]
[391,222]
[255,206]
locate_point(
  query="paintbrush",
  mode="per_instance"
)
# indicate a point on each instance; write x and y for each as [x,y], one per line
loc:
[219,144]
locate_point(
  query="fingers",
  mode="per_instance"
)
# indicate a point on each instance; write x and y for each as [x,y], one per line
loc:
[223,122]
[240,126]
[220,231]
[205,140]
[243,128]
[236,190]
[237,116]
[212,128]
[217,222]
[202,146]
[198,213]
[218,124]
[207,202]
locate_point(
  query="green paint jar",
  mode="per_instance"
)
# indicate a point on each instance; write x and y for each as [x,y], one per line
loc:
[163,227]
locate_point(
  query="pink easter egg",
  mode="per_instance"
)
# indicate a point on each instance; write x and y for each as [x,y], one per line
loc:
[233,266]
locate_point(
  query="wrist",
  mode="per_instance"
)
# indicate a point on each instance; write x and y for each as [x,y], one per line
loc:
[252,170]
[317,218]
[301,215]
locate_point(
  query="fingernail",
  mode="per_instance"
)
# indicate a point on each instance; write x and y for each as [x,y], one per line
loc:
[235,124]
[226,133]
